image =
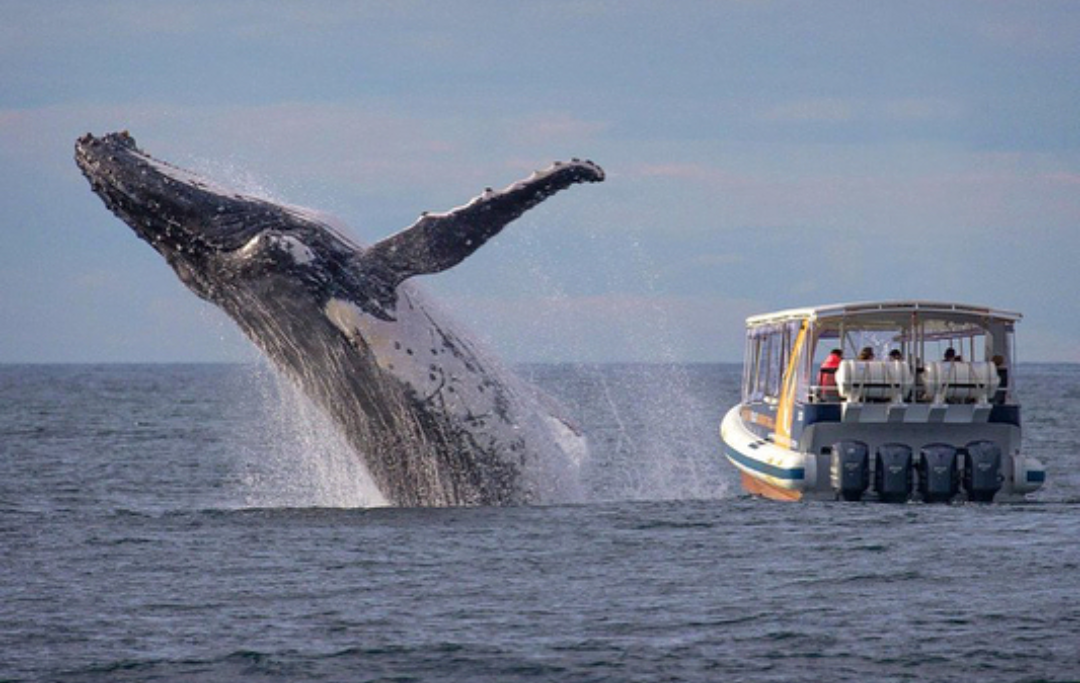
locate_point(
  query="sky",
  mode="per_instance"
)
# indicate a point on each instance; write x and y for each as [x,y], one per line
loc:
[760,156]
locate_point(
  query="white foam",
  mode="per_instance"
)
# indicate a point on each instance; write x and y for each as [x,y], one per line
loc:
[299,458]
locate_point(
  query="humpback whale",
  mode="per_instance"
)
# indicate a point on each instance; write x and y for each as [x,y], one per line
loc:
[436,420]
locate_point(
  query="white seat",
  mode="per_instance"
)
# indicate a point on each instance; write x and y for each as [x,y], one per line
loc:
[960,382]
[878,380]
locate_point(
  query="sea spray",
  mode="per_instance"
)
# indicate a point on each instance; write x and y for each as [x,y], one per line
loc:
[300,459]
[650,437]
[678,450]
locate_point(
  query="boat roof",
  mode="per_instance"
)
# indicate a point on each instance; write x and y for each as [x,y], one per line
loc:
[884,309]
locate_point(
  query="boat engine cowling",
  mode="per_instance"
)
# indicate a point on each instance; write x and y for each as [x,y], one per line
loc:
[982,471]
[892,472]
[849,473]
[939,479]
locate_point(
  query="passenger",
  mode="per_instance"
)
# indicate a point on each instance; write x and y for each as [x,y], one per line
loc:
[867,353]
[895,355]
[1003,377]
[827,377]
[950,355]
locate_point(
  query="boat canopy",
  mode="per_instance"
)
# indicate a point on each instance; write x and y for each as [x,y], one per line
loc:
[785,349]
[885,312]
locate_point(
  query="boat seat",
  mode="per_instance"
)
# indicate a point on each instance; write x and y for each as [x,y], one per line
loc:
[874,380]
[960,382]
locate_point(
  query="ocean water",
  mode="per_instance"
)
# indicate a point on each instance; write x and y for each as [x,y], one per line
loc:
[202,523]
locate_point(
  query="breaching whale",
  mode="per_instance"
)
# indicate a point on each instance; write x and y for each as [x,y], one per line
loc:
[435,419]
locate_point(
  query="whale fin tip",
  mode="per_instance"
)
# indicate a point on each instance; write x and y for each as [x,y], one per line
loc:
[439,241]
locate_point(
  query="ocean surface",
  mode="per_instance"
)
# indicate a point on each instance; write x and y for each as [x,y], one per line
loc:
[203,523]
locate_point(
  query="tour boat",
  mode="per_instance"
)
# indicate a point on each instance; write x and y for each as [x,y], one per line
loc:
[889,401]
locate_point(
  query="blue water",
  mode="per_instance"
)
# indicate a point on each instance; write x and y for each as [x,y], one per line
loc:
[201,523]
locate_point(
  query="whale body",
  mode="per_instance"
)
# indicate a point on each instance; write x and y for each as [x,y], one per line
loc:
[435,419]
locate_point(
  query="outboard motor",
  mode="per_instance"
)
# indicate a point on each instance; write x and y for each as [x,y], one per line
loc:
[939,479]
[892,472]
[982,471]
[850,470]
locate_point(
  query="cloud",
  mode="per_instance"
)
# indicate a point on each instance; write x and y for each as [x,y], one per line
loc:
[826,110]
[918,190]
[694,172]
[369,145]
[609,328]
[556,127]
[864,111]
[920,109]
[721,259]
[1042,32]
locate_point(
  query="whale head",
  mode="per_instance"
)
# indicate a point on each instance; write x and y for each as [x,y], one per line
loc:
[213,237]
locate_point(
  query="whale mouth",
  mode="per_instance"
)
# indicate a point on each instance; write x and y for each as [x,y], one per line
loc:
[176,211]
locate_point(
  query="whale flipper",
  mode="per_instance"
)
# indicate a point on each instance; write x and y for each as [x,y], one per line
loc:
[437,242]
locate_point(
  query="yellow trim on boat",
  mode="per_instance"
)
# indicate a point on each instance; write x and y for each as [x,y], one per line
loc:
[785,411]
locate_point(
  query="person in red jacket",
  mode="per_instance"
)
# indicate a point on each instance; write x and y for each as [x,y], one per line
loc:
[827,376]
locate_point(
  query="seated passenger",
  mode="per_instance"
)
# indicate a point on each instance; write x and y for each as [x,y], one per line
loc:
[867,353]
[827,376]
[896,355]
[950,355]
[1003,376]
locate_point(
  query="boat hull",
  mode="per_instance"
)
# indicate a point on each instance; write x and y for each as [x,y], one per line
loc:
[759,487]
[766,469]
[779,473]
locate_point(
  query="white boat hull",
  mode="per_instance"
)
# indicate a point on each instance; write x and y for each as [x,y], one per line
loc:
[773,471]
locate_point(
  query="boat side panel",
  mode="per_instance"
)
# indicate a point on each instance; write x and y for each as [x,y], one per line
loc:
[916,435]
[820,437]
[812,413]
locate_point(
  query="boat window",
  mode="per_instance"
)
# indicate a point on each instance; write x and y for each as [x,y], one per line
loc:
[751,367]
[776,364]
[764,366]
[764,352]
[915,339]
[918,341]
[768,350]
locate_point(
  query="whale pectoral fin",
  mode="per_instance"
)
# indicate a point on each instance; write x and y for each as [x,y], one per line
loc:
[437,242]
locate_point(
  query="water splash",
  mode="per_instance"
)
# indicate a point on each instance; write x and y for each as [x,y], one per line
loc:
[654,440]
[300,458]
[653,436]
